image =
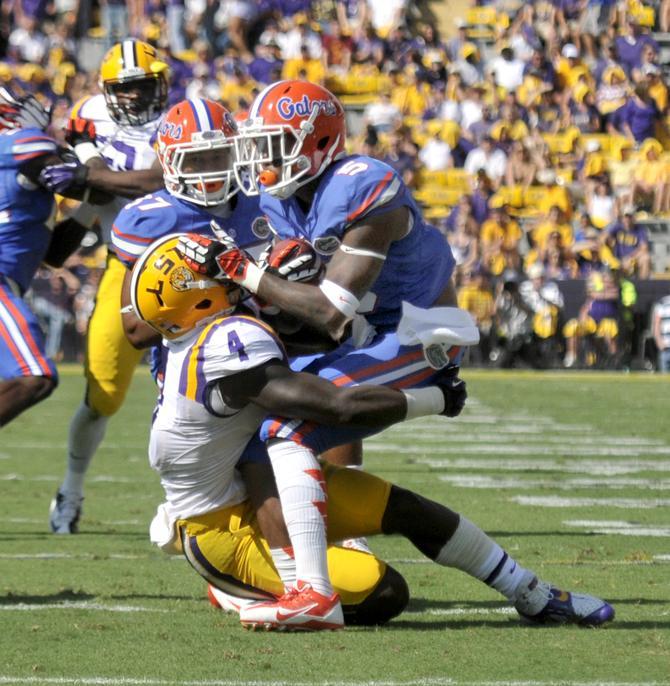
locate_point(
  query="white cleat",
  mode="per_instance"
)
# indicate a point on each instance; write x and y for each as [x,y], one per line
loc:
[64,513]
[227,602]
[299,609]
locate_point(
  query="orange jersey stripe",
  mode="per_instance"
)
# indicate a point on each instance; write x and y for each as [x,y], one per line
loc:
[375,194]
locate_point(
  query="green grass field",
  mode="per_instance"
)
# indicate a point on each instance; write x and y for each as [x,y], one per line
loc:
[570,472]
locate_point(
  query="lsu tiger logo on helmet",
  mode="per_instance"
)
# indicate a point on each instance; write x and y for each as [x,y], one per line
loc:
[294,131]
[134,82]
[172,298]
[196,151]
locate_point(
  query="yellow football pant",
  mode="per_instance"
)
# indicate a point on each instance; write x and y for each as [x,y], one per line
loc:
[227,546]
[110,359]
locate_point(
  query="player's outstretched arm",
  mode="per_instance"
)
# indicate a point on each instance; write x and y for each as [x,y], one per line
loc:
[129,184]
[278,390]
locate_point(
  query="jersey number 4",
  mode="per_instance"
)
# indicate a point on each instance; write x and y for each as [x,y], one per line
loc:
[235,345]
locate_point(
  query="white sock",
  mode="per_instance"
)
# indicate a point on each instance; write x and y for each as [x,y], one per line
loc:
[285,565]
[87,429]
[302,494]
[473,552]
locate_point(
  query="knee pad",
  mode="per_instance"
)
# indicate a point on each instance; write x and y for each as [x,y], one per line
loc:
[387,600]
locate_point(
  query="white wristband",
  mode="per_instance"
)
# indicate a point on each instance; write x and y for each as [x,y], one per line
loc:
[252,278]
[86,152]
[422,402]
[344,301]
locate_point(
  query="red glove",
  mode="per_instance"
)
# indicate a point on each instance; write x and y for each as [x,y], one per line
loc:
[79,130]
[293,259]
[219,261]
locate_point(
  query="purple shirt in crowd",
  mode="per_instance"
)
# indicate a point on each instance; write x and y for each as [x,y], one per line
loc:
[630,53]
[626,242]
[639,116]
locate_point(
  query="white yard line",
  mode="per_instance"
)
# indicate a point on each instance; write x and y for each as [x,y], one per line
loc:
[521,438]
[461,611]
[592,467]
[572,448]
[69,556]
[116,522]
[100,478]
[521,483]
[78,605]
[619,528]
[656,560]
[427,681]
[558,501]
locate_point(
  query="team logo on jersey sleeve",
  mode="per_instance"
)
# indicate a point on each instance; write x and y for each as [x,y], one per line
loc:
[326,245]
[261,228]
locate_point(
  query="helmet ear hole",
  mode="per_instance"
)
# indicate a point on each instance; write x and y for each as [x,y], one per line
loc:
[323,142]
[204,304]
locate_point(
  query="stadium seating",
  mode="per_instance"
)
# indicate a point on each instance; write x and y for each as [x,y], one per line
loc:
[438,195]
[483,22]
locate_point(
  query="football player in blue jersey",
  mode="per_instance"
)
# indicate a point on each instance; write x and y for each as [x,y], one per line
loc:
[225,369]
[27,237]
[359,215]
[195,149]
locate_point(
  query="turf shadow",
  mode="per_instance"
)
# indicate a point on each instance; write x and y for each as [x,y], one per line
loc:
[156,596]
[65,594]
[420,604]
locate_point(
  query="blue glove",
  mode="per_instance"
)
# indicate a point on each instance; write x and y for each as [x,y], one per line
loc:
[58,178]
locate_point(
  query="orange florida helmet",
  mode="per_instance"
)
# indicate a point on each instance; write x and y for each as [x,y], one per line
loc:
[295,130]
[196,151]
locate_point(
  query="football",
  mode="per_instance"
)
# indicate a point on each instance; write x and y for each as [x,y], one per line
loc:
[294,259]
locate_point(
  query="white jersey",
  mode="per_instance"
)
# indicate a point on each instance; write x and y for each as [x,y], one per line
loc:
[196,440]
[123,148]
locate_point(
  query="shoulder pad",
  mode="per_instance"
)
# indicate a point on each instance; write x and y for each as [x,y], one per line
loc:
[91,107]
[356,186]
[139,224]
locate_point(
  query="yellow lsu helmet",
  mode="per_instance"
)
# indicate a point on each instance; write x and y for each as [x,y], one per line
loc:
[172,298]
[134,82]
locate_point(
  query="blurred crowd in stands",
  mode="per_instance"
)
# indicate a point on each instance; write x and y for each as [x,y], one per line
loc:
[536,137]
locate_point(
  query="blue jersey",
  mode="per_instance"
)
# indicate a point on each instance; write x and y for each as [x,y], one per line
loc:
[24,207]
[158,214]
[417,267]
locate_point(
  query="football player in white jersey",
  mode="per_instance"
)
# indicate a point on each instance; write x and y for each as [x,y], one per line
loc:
[112,133]
[225,371]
